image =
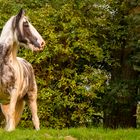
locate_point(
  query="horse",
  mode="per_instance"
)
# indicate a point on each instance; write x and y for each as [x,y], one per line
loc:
[17,79]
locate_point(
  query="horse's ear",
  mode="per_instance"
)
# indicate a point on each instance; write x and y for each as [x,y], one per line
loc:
[17,18]
[21,13]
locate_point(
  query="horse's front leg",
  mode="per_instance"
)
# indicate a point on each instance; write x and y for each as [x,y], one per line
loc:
[10,126]
[32,101]
[5,110]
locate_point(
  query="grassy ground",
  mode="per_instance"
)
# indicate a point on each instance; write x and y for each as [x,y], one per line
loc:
[71,134]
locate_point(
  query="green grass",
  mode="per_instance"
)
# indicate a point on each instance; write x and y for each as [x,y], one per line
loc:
[78,133]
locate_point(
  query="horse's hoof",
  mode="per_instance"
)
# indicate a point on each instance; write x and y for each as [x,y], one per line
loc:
[37,129]
[9,130]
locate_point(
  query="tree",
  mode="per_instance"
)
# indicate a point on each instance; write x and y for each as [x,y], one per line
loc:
[68,73]
[90,63]
[121,97]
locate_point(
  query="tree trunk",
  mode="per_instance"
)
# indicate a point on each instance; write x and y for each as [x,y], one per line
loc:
[121,118]
[121,105]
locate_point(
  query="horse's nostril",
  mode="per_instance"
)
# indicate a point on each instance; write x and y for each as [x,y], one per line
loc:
[43,44]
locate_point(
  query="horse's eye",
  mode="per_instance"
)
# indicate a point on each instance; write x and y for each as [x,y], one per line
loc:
[25,24]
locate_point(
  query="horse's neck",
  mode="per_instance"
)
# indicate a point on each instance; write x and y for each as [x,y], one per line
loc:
[13,52]
[9,48]
[7,32]
[8,53]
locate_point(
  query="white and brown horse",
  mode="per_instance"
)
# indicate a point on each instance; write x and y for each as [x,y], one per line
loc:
[17,80]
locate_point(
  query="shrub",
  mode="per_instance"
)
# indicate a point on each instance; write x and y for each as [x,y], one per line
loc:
[69,71]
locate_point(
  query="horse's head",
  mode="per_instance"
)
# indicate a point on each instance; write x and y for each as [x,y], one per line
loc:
[26,34]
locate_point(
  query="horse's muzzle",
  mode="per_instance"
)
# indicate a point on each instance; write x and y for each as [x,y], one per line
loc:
[39,46]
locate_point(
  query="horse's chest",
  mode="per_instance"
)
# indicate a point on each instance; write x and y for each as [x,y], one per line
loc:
[7,79]
[7,82]
[8,76]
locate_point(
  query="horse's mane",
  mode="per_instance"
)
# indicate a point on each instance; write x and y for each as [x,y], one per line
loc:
[7,31]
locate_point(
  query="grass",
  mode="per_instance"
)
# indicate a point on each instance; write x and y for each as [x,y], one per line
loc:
[71,134]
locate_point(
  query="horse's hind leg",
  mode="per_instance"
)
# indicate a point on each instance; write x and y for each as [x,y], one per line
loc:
[32,101]
[18,110]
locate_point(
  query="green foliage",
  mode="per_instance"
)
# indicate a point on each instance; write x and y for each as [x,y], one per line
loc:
[122,95]
[85,41]
[69,70]
[68,76]
[120,100]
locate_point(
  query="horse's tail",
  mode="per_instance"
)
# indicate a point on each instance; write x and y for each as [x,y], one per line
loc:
[18,110]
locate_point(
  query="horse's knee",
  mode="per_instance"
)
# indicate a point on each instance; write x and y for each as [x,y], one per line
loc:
[32,96]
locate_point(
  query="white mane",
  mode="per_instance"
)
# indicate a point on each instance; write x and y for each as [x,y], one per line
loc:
[7,33]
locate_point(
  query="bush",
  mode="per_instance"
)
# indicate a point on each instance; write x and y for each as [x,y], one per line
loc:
[69,71]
